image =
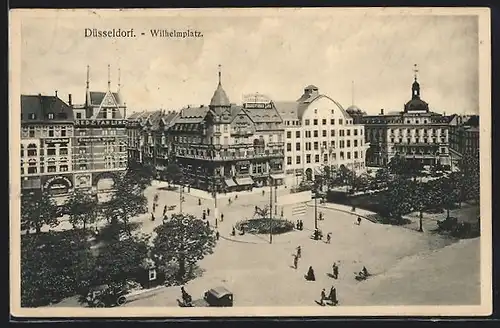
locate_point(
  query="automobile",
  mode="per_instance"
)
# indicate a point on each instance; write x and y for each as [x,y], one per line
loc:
[214,297]
[106,296]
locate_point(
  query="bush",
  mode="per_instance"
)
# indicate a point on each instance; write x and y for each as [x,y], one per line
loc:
[262,226]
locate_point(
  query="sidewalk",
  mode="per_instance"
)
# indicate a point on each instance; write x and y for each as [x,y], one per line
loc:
[367,215]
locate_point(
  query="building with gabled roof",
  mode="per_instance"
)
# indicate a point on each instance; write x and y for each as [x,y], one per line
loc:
[225,146]
[100,139]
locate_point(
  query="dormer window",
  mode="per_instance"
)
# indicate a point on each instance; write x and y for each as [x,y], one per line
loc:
[32,116]
[50,116]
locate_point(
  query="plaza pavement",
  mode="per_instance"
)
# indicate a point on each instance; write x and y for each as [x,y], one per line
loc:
[261,274]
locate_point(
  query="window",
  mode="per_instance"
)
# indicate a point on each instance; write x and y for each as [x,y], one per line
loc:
[226,128]
[355,132]
[32,117]
[341,133]
[289,146]
[31,132]
[348,132]
[297,134]
[50,116]
[307,122]
[316,145]
[308,134]
[341,155]
[63,151]
[63,168]
[32,150]
[297,160]
[315,133]
[315,111]
[323,121]
[297,146]
[332,120]
[51,132]
[308,146]
[324,133]
[323,144]
[340,121]
[315,121]
[308,158]
[32,170]
[333,112]
[332,133]
[348,155]
[289,160]
[63,132]
[316,158]
[355,154]
[289,134]
[78,115]
[325,158]
[22,170]
[348,143]
[355,143]
[332,144]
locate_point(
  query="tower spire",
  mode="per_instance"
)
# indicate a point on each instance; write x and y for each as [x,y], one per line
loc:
[87,90]
[220,74]
[119,78]
[88,76]
[109,77]
[415,71]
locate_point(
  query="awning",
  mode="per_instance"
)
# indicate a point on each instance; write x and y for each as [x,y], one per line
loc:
[277,176]
[244,181]
[230,182]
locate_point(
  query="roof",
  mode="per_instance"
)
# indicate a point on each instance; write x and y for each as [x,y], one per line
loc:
[473,121]
[355,110]
[41,106]
[219,98]
[219,291]
[287,109]
[310,86]
[192,114]
[416,104]
[96,97]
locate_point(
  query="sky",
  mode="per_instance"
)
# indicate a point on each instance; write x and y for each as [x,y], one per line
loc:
[276,55]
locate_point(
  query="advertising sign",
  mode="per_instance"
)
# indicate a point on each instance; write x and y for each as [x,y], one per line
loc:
[101,123]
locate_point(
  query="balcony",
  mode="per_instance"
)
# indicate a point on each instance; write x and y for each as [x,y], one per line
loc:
[241,132]
[273,144]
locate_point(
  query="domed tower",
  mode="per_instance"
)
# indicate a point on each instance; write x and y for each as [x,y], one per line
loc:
[416,104]
[354,111]
[220,100]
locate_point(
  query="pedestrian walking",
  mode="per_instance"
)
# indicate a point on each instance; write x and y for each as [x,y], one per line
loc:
[335,271]
[298,225]
[236,197]
[233,232]
[301,223]
[299,252]
[263,192]
[164,210]
[208,224]
[152,216]
[328,237]
[353,208]
[204,215]
[359,220]
[229,200]
[322,297]
[333,296]
[295,261]
[199,201]
[320,216]
[221,217]
[217,235]
[208,211]
[281,212]
[310,274]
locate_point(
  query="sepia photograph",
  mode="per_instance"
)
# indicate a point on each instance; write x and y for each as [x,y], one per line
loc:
[250,162]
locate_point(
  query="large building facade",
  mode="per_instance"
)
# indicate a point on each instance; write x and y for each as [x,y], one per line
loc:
[66,146]
[318,133]
[416,133]
[224,146]
[47,129]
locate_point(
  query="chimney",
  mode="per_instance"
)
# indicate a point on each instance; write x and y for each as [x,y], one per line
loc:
[70,102]
[381,111]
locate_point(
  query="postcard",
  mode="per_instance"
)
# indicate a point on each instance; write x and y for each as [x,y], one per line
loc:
[250,162]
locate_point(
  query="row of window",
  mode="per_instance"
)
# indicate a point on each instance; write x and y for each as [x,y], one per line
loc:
[324,121]
[50,152]
[333,157]
[51,131]
[421,140]
[49,116]
[324,144]
[324,133]
[50,169]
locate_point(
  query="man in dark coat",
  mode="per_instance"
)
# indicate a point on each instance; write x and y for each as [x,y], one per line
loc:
[310,274]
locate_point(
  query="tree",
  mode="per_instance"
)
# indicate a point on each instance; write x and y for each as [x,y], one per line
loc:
[139,175]
[37,210]
[422,196]
[82,209]
[54,265]
[449,194]
[469,167]
[184,239]
[263,213]
[127,201]
[121,260]
[173,173]
[397,201]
